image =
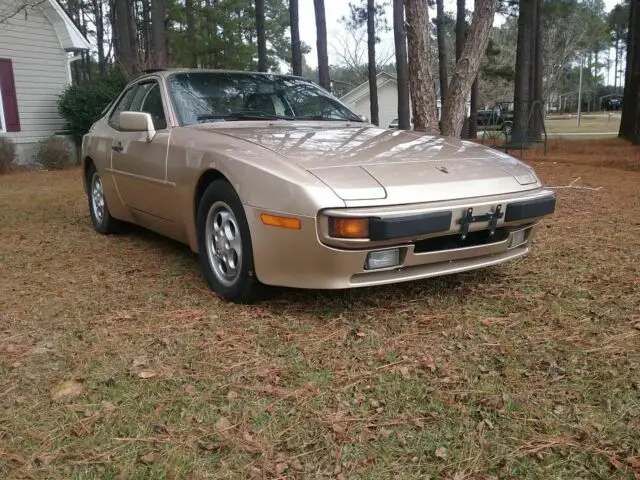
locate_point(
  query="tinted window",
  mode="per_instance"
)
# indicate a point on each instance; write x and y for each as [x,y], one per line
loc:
[122,106]
[215,96]
[152,104]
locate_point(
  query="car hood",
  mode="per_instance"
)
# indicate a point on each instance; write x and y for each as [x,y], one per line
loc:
[371,163]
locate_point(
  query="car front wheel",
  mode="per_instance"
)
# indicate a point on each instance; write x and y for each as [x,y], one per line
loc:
[101,218]
[224,245]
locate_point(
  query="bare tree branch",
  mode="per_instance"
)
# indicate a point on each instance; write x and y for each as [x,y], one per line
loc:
[17,7]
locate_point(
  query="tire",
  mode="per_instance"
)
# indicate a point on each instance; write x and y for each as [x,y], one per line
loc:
[224,245]
[101,218]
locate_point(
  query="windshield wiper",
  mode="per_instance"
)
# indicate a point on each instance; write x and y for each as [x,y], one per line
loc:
[257,115]
[321,117]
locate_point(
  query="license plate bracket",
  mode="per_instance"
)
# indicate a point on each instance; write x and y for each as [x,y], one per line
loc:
[468,218]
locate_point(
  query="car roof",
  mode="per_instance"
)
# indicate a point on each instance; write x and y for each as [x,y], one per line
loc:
[165,72]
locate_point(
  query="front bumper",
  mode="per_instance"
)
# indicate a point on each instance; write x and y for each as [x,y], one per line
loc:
[307,258]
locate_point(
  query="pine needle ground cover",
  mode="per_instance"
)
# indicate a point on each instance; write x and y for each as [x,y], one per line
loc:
[116,362]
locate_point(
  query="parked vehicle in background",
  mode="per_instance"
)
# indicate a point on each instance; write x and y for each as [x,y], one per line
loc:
[273,181]
[494,118]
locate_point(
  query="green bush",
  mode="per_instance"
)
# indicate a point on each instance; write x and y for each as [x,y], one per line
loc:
[81,104]
[7,154]
[53,153]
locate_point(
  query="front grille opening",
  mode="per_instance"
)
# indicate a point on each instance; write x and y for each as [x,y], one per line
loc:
[450,242]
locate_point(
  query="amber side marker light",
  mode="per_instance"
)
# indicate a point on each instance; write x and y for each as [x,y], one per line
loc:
[282,222]
[349,227]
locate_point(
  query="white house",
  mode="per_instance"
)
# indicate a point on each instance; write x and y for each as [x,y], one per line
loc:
[37,46]
[358,99]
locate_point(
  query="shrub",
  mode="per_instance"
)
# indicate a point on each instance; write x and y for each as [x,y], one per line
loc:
[7,154]
[53,153]
[81,104]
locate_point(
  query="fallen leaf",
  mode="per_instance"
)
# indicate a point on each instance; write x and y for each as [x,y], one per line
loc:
[336,427]
[360,334]
[281,468]
[223,424]
[209,446]
[146,374]
[190,389]
[442,453]
[66,390]
[404,371]
[148,458]
[232,394]
[139,362]
[45,460]
[296,465]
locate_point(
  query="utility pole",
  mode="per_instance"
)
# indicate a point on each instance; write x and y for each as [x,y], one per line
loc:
[580,91]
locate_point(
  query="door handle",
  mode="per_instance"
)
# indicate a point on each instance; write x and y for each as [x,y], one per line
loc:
[117,147]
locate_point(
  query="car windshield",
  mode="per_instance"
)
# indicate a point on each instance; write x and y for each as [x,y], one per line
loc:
[200,97]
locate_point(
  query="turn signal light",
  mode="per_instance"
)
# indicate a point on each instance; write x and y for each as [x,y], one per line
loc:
[349,227]
[282,222]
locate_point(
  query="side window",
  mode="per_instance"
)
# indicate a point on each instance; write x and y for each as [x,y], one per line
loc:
[152,104]
[139,97]
[122,106]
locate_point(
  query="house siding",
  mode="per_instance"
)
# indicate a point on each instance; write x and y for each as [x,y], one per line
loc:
[387,103]
[40,72]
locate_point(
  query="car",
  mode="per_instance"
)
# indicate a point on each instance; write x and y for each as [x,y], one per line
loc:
[275,182]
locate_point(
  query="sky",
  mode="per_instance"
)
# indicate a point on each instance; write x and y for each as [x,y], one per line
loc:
[335,9]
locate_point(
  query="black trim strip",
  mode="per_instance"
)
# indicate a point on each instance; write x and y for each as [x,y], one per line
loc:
[530,209]
[398,227]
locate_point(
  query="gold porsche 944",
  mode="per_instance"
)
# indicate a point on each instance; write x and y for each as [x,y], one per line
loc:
[273,181]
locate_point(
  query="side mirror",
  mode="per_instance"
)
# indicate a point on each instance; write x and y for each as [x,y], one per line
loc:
[137,122]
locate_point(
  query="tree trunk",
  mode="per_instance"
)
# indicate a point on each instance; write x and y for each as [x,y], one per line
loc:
[473,109]
[524,55]
[538,66]
[133,35]
[296,49]
[442,50]
[467,67]
[371,44]
[146,32]
[99,21]
[421,84]
[402,69]
[630,122]
[158,34]
[321,45]
[461,27]
[461,32]
[262,36]
[615,71]
[122,35]
[191,33]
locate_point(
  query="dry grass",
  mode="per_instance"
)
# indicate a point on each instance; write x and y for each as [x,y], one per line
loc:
[529,370]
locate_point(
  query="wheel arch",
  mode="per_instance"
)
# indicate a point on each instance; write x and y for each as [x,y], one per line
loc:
[206,178]
[87,163]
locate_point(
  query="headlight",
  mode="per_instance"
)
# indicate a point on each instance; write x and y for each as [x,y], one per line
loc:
[348,227]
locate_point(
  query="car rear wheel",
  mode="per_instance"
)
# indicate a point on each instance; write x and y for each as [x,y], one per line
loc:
[224,245]
[101,218]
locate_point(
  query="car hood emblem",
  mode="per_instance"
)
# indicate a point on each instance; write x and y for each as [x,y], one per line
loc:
[442,169]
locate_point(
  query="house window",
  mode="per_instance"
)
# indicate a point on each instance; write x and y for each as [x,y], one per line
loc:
[9,118]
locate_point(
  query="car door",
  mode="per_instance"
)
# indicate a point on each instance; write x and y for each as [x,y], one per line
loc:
[139,166]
